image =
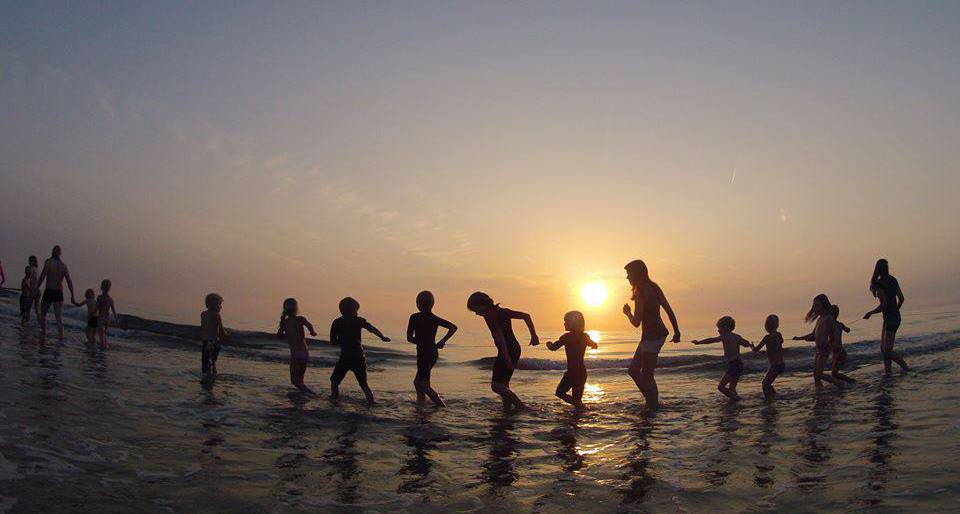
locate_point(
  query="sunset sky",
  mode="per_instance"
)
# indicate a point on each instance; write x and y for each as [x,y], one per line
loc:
[753,154]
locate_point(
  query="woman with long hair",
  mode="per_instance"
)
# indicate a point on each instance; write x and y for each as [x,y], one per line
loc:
[648,299]
[825,335]
[886,288]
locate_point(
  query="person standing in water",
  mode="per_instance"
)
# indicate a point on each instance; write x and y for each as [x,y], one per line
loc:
[213,334]
[422,331]
[648,299]
[500,322]
[52,277]
[345,331]
[774,343]
[575,343]
[35,284]
[886,288]
[825,337]
[292,326]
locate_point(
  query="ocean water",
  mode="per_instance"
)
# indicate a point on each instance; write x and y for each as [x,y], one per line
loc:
[129,429]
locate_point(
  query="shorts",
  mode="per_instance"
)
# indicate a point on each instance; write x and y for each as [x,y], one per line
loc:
[208,356]
[501,371]
[25,303]
[649,347]
[735,368]
[778,368]
[355,363]
[426,359]
[891,322]
[52,296]
[301,356]
[573,379]
[92,322]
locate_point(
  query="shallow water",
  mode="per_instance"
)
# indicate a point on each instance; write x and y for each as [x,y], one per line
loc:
[130,429]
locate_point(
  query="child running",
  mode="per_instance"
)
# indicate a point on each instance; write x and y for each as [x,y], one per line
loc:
[212,334]
[26,296]
[774,343]
[499,321]
[839,355]
[105,307]
[574,343]
[345,331]
[90,302]
[422,331]
[291,326]
[731,354]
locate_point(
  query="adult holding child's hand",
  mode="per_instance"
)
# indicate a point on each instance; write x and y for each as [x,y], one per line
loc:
[648,299]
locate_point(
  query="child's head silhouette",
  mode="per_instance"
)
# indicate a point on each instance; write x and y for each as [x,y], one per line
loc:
[290,307]
[574,322]
[772,323]
[726,324]
[349,307]
[425,301]
[479,302]
[213,301]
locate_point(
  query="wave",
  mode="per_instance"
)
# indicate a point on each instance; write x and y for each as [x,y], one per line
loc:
[796,358]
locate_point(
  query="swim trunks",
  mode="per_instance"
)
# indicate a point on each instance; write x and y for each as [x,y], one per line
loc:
[52,296]
[350,362]
[25,303]
[426,359]
[779,368]
[92,322]
[735,368]
[891,321]
[301,356]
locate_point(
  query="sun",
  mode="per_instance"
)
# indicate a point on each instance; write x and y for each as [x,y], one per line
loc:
[594,294]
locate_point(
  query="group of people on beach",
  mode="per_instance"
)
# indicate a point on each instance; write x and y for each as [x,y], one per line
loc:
[42,289]
[648,302]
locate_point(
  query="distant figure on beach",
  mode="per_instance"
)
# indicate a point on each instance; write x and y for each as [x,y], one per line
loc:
[500,323]
[422,331]
[213,335]
[345,331]
[52,277]
[774,343]
[292,327]
[886,288]
[26,296]
[836,348]
[648,299]
[574,343]
[825,336]
[731,355]
[93,314]
[35,284]
[105,308]
[3,277]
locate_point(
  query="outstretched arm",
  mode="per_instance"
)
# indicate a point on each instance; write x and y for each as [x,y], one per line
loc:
[843,327]
[591,344]
[879,308]
[809,337]
[375,331]
[451,329]
[708,340]
[554,345]
[309,326]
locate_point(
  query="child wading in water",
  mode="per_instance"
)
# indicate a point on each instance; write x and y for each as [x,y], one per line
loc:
[90,302]
[105,307]
[731,354]
[26,295]
[774,343]
[499,321]
[212,334]
[422,331]
[291,326]
[574,343]
[345,331]
[836,349]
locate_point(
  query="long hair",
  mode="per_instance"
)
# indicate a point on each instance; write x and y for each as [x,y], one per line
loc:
[821,305]
[639,277]
[880,270]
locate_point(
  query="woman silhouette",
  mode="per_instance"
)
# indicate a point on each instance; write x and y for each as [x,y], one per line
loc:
[647,298]
[886,288]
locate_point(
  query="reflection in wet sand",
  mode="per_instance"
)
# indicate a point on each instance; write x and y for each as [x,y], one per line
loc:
[422,438]
[637,474]
[883,434]
[764,475]
[814,450]
[342,456]
[718,466]
[499,471]
[566,437]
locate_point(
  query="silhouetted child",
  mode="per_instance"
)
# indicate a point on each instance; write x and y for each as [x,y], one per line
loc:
[574,343]
[422,331]
[212,334]
[345,331]
[90,302]
[291,326]
[774,343]
[105,308]
[731,354]
[499,321]
[839,354]
[26,296]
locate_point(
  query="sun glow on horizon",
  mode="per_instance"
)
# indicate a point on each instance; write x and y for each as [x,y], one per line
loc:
[594,294]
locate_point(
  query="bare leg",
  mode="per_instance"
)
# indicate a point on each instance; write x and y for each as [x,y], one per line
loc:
[36,307]
[434,396]
[334,390]
[421,392]
[886,346]
[723,388]
[509,398]
[103,333]
[366,391]
[58,312]
[818,373]
[43,318]
[649,367]
[767,384]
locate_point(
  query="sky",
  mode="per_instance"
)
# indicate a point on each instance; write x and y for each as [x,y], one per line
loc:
[754,154]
